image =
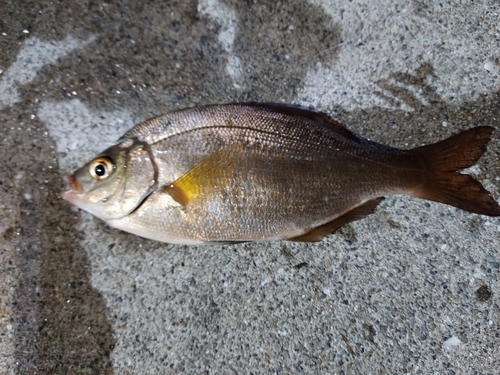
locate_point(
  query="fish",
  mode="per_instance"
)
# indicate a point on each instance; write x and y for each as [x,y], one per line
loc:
[261,172]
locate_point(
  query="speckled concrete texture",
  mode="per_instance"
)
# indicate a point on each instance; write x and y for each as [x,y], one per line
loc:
[414,288]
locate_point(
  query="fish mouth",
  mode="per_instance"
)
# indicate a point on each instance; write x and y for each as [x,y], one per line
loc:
[74,189]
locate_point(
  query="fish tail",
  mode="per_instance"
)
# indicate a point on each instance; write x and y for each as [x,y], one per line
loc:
[442,180]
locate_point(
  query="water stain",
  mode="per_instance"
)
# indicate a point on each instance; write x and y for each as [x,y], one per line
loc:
[289,39]
[168,55]
[60,320]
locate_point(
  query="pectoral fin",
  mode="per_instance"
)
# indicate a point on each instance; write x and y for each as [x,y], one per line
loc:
[177,193]
[206,177]
[317,234]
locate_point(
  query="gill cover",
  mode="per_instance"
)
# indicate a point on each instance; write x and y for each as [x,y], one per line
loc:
[116,182]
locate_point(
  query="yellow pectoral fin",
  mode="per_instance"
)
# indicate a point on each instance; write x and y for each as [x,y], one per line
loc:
[177,194]
[207,177]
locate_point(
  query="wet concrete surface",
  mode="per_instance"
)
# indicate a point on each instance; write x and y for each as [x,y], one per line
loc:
[414,288]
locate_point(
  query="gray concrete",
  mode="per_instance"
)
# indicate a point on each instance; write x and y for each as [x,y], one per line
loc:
[414,288]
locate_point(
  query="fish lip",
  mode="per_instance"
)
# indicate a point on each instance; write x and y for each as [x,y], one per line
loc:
[66,194]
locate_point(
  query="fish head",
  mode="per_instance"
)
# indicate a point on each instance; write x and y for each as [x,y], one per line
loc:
[116,182]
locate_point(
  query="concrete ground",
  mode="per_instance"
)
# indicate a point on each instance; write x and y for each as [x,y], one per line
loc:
[414,288]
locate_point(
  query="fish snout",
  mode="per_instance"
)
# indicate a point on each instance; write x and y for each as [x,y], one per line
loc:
[74,184]
[75,188]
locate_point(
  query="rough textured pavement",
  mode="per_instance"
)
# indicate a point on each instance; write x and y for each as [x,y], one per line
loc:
[414,288]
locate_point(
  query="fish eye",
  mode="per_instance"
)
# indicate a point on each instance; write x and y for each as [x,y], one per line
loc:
[101,168]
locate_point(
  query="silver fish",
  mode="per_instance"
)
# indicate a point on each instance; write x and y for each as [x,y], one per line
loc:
[255,172]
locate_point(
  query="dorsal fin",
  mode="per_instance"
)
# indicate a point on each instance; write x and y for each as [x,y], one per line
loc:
[358,213]
[309,114]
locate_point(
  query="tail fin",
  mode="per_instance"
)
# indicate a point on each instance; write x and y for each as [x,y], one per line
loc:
[443,183]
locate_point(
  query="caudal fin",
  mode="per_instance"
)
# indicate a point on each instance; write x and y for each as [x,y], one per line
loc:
[443,183]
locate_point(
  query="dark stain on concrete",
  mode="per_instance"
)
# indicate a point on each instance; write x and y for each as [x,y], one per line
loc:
[297,29]
[369,332]
[483,293]
[62,325]
[164,53]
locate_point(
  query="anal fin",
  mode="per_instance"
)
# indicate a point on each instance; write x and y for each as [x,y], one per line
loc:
[357,213]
